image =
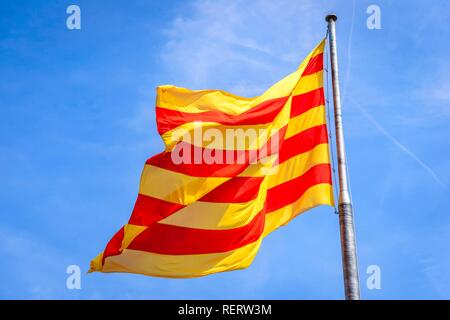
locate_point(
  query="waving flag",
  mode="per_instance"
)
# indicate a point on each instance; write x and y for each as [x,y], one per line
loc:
[234,170]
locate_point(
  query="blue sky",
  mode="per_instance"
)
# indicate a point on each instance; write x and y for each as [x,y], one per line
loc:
[77,124]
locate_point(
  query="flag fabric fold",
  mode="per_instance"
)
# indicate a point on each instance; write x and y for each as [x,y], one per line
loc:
[234,169]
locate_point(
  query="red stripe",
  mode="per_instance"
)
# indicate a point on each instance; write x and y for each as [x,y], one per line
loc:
[306,101]
[148,210]
[315,64]
[175,240]
[235,190]
[264,112]
[235,161]
[303,142]
[113,246]
[290,191]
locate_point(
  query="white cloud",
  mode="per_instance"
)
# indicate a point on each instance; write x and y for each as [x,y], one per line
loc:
[240,45]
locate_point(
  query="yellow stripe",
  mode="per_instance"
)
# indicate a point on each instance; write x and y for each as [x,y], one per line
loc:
[130,232]
[96,263]
[214,135]
[195,101]
[306,120]
[309,83]
[175,187]
[298,165]
[320,194]
[218,216]
[262,168]
[178,266]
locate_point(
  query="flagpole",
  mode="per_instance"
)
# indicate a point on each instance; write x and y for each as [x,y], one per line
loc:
[347,231]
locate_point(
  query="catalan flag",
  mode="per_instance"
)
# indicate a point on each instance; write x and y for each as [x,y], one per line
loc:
[206,203]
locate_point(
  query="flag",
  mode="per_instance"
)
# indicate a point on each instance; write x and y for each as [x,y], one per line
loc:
[233,170]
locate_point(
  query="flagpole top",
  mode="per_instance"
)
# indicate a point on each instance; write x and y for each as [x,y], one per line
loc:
[331,16]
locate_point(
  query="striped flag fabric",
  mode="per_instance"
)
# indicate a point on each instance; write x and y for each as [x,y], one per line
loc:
[233,170]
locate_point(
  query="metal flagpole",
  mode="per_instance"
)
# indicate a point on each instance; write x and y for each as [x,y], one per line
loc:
[348,242]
